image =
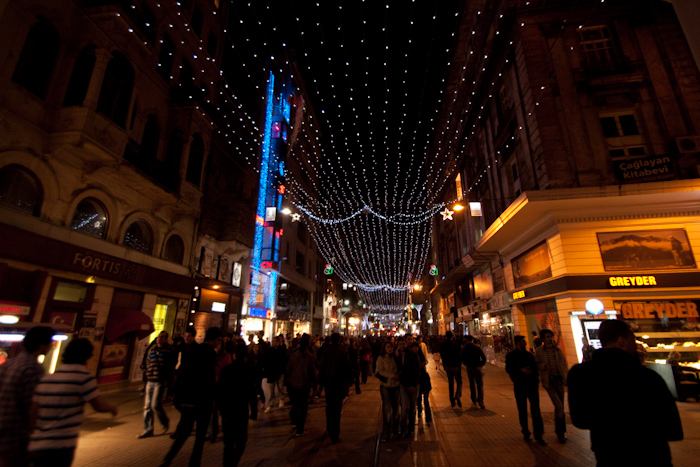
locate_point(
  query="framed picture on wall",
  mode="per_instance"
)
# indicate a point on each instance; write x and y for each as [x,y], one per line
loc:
[646,249]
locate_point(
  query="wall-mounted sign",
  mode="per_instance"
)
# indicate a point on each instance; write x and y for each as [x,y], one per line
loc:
[218,307]
[16,308]
[595,306]
[236,276]
[433,270]
[519,294]
[259,312]
[659,310]
[270,214]
[328,270]
[532,266]
[632,281]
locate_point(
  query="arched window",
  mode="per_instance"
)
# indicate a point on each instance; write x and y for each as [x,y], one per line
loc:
[38,58]
[174,249]
[151,139]
[80,79]
[115,95]
[173,156]
[195,161]
[139,236]
[90,217]
[19,189]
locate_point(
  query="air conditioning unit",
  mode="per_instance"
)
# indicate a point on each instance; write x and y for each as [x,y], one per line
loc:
[687,144]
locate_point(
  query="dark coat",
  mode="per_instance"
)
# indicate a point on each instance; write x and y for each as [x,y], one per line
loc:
[236,394]
[195,386]
[628,408]
[301,369]
[451,354]
[336,370]
[408,364]
[473,356]
[516,360]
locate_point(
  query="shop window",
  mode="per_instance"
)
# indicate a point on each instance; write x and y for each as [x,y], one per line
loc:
[166,58]
[195,161]
[174,250]
[38,57]
[19,189]
[117,87]
[80,79]
[139,237]
[623,136]
[70,292]
[151,139]
[90,218]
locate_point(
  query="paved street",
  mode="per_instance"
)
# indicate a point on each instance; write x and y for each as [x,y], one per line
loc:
[457,437]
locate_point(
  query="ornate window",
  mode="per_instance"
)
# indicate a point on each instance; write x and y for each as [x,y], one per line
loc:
[115,95]
[90,217]
[196,160]
[19,189]
[80,79]
[174,249]
[139,236]
[38,57]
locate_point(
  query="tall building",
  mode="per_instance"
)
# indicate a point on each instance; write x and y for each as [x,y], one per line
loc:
[571,135]
[107,127]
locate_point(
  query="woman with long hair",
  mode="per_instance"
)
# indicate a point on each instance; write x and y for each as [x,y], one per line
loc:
[388,374]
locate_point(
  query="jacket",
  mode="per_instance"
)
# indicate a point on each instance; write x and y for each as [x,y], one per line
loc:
[516,360]
[473,356]
[408,363]
[301,369]
[628,408]
[336,370]
[387,368]
[451,354]
[542,361]
[236,394]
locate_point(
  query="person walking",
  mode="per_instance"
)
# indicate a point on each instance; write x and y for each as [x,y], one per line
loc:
[57,407]
[387,372]
[336,375]
[195,396]
[552,367]
[159,363]
[18,379]
[474,359]
[275,361]
[300,377]
[451,355]
[409,380]
[237,401]
[636,398]
[522,369]
[424,386]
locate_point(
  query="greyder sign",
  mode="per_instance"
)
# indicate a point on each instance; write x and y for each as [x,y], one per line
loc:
[647,168]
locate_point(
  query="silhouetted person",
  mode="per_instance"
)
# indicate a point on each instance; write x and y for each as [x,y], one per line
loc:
[522,369]
[451,355]
[474,359]
[635,398]
[552,367]
[195,396]
[336,375]
[300,376]
[236,398]
[18,378]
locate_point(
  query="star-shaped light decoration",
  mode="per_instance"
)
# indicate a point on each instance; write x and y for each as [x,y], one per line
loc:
[447,214]
[296,217]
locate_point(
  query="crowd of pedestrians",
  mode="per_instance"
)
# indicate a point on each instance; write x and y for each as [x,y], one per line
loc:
[223,377]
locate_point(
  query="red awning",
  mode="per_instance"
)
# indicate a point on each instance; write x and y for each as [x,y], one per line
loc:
[122,321]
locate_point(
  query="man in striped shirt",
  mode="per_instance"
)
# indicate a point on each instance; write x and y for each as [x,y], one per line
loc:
[553,370]
[57,407]
[160,364]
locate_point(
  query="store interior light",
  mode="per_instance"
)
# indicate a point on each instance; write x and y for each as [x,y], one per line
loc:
[9,319]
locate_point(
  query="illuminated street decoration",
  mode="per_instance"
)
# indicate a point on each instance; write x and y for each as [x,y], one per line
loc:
[328,269]
[433,270]
[296,217]
[447,214]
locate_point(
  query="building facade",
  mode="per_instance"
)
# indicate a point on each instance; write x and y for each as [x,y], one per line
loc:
[576,137]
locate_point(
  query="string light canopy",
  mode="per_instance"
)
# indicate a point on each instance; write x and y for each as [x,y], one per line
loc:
[374,76]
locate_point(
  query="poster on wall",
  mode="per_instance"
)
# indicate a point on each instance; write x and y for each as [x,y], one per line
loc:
[531,266]
[206,262]
[224,269]
[646,249]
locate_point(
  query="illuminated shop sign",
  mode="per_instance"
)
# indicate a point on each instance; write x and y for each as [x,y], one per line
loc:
[659,310]
[14,308]
[259,312]
[632,281]
[97,264]
[219,307]
[519,294]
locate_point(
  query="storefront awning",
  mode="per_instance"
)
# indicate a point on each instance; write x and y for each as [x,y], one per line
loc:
[122,321]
